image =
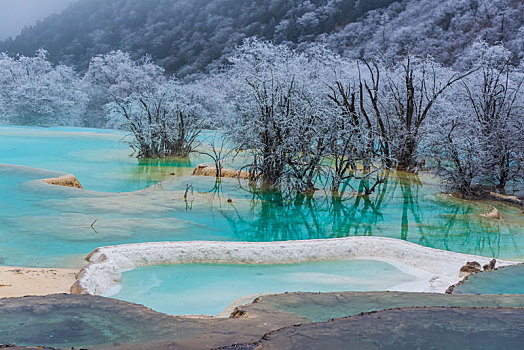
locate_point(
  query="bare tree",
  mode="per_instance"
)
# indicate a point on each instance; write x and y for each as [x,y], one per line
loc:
[163,123]
[494,99]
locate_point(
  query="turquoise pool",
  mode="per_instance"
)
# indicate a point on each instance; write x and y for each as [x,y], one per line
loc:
[43,225]
[98,158]
[208,289]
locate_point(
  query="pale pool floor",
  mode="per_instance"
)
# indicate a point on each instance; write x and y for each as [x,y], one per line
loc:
[208,289]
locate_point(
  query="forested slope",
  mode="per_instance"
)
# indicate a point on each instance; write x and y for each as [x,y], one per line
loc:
[443,29]
[183,36]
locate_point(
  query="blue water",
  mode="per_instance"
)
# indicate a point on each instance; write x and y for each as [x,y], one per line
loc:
[44,225]
[100,159]
[208,289]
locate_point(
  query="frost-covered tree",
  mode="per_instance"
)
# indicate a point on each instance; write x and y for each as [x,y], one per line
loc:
[163,122]
[35,92]
[355,149]
[478,136]
[282,114]
[400,100]
[455,145]
[115,76]
[295,112]
[494,96]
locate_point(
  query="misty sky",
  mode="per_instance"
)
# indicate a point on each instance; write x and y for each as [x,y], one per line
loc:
[16,14]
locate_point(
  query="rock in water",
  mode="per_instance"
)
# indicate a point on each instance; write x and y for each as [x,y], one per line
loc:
[490,266]
[66,181]
[471,267]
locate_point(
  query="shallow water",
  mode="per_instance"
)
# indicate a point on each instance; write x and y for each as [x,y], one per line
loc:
[507,280]
[208,289]
[323,307]
[100,159]
[44,225]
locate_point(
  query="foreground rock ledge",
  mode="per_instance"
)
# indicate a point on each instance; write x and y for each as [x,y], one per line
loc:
[83,320]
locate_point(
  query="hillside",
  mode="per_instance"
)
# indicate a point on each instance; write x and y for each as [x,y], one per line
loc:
[443,29]
[187,36]
[183,36]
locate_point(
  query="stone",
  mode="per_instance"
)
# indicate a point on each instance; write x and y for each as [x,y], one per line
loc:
[490,266]
[493,214]
[471,267]
[66,181]
[205,170]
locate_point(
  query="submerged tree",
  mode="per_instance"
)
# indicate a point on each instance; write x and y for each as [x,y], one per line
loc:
[164,122]
[403,107]
[478,137]
[281,113]
[356,151]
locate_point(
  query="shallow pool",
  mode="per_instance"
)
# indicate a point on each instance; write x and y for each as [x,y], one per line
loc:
[208,289]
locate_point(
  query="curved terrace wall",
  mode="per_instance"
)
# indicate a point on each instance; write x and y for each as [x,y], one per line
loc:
[434,269]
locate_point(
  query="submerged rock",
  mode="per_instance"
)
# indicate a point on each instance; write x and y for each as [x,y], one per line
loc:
[493,214]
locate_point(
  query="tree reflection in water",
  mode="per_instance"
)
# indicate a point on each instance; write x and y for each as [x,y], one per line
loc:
[402,206]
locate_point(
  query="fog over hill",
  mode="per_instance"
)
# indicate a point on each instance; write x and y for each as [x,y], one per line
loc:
[183,36]
[186,36]
[15,15]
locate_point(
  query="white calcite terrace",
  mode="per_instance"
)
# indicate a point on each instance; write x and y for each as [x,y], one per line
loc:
[434,270]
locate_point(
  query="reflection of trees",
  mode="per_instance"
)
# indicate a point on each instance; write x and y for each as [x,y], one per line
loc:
[461,229]
[416,215]
[273,217]
[151,170]
[410,185]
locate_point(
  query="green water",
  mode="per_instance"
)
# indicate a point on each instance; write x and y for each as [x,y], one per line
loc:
[507,280]
[43,225]
[208,289]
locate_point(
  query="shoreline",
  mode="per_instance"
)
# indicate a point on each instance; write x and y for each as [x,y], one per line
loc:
[23,281]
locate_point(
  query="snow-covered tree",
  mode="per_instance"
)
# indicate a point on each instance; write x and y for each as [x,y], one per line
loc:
[495,97]
[282,114]
[400,100]
[34,92]
[115,76]
[296,114]
[477,137]
[164,122]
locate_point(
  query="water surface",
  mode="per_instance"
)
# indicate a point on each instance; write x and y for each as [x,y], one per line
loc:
[44,225]
[208,289]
